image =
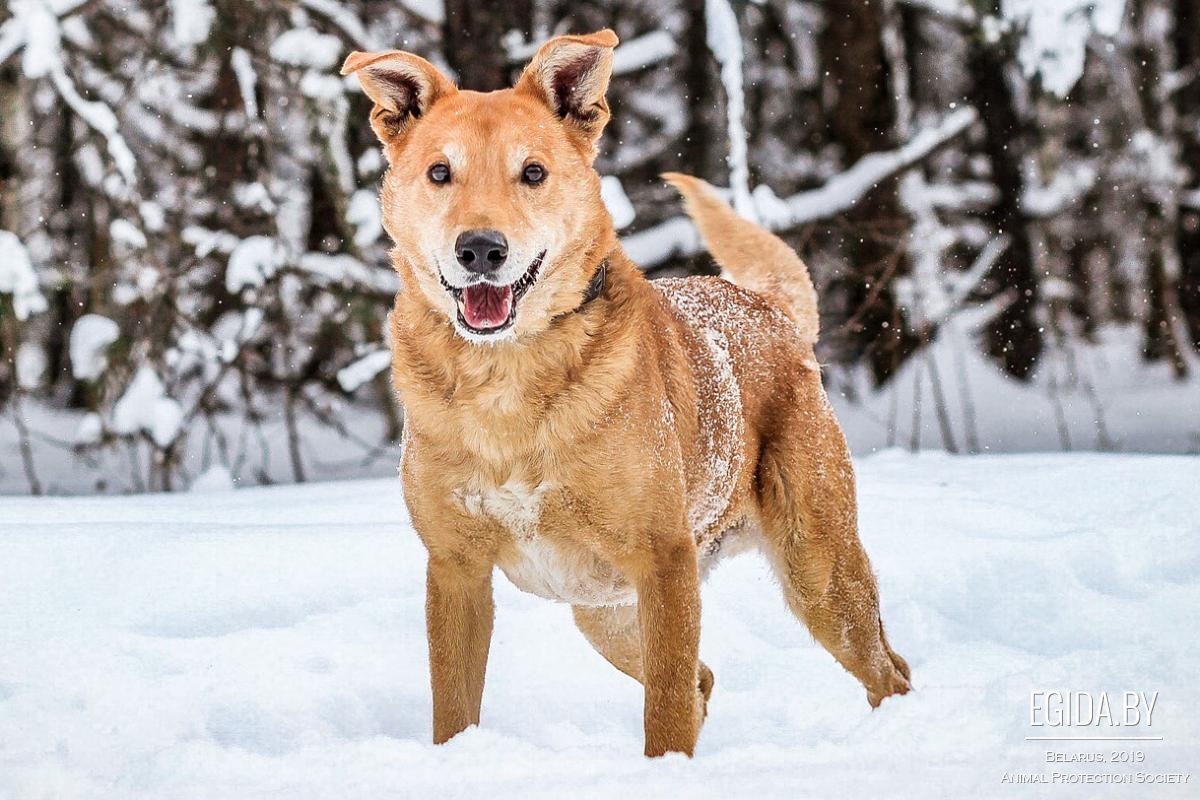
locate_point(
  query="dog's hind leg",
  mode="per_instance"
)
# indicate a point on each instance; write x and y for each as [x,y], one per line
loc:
[614,632]
[809,514]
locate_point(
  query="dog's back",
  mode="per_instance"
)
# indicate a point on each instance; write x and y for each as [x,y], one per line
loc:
[751,256]
[738,346]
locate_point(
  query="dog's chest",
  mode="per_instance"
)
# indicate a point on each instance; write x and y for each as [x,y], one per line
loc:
[516,506]
[533,561]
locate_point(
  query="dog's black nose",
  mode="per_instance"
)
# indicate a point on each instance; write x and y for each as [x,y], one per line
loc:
[481,251]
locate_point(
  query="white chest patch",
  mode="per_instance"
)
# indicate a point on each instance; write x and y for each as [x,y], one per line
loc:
[535,564]
[514,505]
[540,567]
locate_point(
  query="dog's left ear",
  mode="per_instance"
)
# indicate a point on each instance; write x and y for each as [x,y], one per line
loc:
[570,74]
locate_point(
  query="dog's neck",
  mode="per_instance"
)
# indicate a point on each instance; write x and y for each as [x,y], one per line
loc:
[432,358]
[595,287]
[594,290]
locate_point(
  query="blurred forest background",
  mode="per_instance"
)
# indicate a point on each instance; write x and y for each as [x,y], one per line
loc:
[999,199]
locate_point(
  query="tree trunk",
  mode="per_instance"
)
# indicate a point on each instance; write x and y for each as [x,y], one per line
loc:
[473,35]
[704,144]
[1154,60]
[1187,100]
[862,118]
[1013,337]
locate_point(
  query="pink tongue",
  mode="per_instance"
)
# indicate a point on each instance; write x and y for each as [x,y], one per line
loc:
[486,306]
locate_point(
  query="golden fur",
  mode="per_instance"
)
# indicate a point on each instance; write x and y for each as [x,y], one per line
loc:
[603,454]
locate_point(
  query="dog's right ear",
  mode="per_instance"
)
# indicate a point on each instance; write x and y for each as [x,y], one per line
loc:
[403,87]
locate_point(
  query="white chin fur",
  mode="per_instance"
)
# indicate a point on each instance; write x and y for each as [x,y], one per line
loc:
[508,334]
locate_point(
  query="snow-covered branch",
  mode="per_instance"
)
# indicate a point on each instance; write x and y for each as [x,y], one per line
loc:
[844,191]
[247,79]
[354,375]
[1066,189]
[36,27]
[964,283]
[346,21]
[955,11]
[961,196]
[327,269]
[642,52]
[677,236]
[1179,80]
[630,56]
[10,39]
[18,278]
[100,118]
[725,43]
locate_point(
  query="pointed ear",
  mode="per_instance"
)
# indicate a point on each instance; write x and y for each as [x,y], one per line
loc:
[570,74]
[403,87]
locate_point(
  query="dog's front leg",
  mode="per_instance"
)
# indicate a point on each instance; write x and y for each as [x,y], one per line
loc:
[458,618]
[669,618]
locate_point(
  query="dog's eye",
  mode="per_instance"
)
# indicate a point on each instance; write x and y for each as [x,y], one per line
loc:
[439,173]
[533,174]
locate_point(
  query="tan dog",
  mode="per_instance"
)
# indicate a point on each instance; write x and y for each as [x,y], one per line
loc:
[601,438]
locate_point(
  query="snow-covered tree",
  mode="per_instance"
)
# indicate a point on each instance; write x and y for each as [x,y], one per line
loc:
[194,276]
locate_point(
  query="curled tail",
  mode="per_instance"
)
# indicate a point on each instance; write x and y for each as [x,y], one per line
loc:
[753,257]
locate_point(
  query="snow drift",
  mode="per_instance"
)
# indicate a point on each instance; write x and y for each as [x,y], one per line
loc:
[269,643]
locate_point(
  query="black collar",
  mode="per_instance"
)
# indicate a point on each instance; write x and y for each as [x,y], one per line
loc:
[595,287]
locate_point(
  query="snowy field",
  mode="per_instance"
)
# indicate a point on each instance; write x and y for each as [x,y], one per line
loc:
[269,643]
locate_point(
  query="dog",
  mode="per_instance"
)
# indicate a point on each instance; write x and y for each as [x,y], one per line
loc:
[601,438]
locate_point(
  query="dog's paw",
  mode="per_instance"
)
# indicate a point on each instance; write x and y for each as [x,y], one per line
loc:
[900,664]
[706,681]
[704,687]
[896,682]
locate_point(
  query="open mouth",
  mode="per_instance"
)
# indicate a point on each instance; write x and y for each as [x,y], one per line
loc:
[485,308]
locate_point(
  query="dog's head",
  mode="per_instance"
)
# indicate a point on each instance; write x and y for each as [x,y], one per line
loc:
[491,198]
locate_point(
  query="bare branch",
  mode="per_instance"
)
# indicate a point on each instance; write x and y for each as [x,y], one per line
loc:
[35,485]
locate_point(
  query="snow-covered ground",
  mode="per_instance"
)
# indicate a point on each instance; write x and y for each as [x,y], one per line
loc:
[269,643]
[1099,396]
